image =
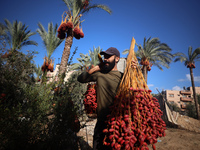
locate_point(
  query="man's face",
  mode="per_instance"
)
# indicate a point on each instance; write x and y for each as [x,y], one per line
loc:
[109,62]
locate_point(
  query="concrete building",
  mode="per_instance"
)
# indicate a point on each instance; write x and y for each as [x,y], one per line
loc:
[181,98]
[53,76]
[121,64]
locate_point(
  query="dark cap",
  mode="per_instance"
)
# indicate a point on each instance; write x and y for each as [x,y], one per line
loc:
[111,51]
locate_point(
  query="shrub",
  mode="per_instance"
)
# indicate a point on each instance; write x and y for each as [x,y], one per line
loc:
[22,117]
[174,107]
[191,110]
[198,98]
[35,116]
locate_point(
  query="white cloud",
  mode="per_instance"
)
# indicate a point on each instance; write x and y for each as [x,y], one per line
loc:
[181,80]
[188,78]
[177,88]
[150,85]
[197,79]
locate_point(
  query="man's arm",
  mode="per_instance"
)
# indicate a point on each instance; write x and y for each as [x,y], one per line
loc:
[87,76]
[94,69]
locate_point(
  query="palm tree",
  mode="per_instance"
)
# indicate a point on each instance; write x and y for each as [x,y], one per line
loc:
[50,39]
[154,53]
[87,61]
[51,42]
[83,62]
[189,62]
[76,8]
[17,34]
[94,55]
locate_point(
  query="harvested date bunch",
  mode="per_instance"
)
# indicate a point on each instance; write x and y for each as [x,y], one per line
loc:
[90,101]
[135,119]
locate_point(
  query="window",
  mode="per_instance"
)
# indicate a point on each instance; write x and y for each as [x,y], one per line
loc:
[171,95]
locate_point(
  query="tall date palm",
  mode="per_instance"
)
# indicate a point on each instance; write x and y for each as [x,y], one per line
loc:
[51,42]
[17,35]
[189,62]
[153,52]
[76,8]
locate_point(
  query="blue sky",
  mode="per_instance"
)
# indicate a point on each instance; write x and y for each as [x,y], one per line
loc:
[174,22]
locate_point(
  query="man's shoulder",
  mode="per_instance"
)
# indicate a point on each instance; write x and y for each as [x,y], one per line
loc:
[112,72]
[116,72]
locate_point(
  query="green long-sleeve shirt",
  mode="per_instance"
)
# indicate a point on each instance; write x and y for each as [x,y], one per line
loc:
[107,84]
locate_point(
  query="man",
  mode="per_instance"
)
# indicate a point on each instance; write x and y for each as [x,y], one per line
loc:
[107,78]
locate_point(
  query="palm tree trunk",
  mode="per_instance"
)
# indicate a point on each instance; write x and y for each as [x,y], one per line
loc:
[194,93]
[65,55]
[144,72]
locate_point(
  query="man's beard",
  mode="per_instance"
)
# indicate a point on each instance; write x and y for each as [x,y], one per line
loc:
[108,66]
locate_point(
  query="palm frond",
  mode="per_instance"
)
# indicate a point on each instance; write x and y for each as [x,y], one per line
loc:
[50,39]
[126,51]
[156,52]
[180,57]
[95,6]
[86,60]
[37,71]
[191,58]
[2,30]
[94,55]
[158,65]
[75,66]
[69,4]
[18,34]
[196,54]
[197,50]
[190,52]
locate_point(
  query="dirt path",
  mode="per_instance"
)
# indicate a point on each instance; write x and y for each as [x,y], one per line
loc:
[175,139]
[179,139]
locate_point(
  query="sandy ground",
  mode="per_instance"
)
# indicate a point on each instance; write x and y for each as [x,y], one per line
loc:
[179,139]
[185,137]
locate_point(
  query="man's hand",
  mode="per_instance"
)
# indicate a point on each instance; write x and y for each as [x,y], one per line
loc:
[94,69]
[97,67]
